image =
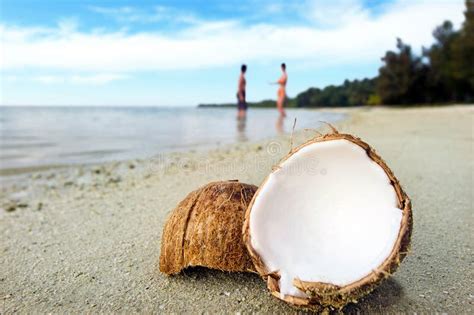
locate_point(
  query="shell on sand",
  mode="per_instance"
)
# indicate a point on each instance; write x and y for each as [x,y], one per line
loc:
[325,294]
[205,229]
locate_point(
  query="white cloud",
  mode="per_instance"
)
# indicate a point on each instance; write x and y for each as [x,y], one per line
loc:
[273,8]
[89,79]
[357,38]
[112,11]
[9,78]
[67,25]
[127,14]
[48,79]
[97,79]
[336,12]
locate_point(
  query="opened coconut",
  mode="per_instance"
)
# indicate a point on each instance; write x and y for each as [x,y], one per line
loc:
[328,224]
[205,229]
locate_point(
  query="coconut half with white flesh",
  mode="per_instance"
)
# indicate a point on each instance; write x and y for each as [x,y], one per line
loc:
[328,224]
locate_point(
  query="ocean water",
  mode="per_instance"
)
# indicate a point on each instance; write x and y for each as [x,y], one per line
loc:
[38,137]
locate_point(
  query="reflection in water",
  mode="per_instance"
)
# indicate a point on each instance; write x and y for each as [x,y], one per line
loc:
[241,124]
[279,125]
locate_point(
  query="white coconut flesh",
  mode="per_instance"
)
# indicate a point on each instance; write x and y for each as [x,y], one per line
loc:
[327,214]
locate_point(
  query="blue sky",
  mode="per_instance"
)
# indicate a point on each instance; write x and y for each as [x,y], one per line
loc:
[178,53]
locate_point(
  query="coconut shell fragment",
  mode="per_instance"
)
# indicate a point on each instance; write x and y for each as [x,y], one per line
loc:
[268,238]
[205,229]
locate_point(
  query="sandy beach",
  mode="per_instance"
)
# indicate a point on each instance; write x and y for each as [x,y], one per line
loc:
[87,238]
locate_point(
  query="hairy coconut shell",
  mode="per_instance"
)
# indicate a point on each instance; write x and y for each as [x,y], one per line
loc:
[325,294]
[205,229]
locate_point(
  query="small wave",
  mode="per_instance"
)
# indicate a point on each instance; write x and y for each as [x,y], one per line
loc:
[90,153]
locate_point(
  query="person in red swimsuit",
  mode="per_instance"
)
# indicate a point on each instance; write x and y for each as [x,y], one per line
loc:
[281,94]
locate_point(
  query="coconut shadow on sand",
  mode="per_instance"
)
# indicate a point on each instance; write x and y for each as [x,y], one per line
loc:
[246,287]
[388,293]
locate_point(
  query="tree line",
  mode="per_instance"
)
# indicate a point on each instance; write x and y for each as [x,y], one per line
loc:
[443,73]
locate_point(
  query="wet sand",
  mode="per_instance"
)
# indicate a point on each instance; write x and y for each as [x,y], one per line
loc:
[87,238]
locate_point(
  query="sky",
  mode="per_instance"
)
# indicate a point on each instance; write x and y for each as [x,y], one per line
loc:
[183,53]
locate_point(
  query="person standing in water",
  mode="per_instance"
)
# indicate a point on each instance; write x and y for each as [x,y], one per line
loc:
[241,102]
[281,94]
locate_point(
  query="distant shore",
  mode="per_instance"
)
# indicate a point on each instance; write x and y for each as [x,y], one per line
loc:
[87,238]
[290,103]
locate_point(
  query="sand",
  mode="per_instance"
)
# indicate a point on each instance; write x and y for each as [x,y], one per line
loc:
[87,238]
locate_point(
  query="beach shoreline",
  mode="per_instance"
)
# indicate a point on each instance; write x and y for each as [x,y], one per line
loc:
[87,238]
[35,139]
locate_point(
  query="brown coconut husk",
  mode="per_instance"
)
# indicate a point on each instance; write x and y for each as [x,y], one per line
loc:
[205,229]
[325,295]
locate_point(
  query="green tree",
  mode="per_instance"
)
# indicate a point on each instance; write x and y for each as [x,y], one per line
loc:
[374,99]
[402,77]
[350,93]
[444,73]
[462,47]
[451,60]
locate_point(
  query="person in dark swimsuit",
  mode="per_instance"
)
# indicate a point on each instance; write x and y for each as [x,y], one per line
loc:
[241,101]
